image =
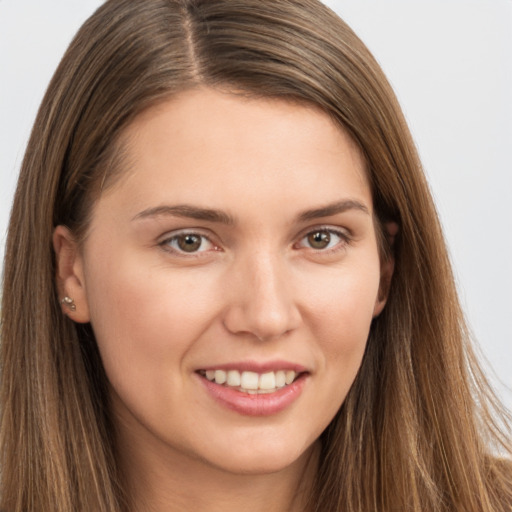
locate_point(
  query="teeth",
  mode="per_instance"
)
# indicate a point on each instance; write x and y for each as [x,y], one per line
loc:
[233,378]
[220,376]
[252,382]
[267,381]
[290,376]
[249,380]
[280,379]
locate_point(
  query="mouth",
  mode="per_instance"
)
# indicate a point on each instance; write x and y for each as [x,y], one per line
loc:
[250,382]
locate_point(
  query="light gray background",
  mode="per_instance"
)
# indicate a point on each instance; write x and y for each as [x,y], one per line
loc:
[450,62]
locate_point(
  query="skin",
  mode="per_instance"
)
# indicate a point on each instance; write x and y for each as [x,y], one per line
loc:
[255,290]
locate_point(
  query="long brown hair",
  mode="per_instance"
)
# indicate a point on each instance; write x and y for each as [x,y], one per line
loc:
[420,429]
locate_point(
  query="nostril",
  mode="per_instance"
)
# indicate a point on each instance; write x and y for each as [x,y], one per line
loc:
[266,309]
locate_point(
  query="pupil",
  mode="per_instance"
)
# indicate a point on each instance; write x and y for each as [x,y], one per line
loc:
[319,240]
[189,243]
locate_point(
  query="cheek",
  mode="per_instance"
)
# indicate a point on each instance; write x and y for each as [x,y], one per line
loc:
[341,319]
[145,318]
[342,301]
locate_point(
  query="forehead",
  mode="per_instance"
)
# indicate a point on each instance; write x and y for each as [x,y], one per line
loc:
[224,145]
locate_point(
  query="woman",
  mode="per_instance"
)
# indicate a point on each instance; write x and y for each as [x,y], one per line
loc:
[239,294]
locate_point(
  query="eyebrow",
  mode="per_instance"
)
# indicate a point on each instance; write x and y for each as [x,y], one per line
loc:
[188,211]
[333,209]
[218,216]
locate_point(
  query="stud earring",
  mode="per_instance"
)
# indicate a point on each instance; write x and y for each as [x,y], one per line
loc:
[69,302]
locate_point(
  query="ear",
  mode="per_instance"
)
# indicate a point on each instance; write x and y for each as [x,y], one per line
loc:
[387,268]
[70,275]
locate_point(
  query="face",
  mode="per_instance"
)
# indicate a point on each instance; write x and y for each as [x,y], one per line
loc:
[230,277]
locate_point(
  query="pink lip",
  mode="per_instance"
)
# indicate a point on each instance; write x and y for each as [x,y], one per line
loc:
[258,367]
[258,404]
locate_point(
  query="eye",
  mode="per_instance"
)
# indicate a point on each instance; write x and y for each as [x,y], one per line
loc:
[323,239]
[188,243]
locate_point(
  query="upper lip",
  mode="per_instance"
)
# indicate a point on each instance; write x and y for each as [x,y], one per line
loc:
[257,366]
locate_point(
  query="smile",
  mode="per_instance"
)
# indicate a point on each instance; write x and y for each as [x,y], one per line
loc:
[251,382]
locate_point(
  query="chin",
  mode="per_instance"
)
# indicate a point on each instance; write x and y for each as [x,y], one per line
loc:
[261,460]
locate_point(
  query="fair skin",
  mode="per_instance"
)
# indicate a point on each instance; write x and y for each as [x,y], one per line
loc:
[240,238]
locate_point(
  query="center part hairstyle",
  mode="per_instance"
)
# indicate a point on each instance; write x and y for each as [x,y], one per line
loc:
[419,431]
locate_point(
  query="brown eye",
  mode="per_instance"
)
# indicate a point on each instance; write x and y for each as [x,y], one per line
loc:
[319,239]
[193,244]
[189,243]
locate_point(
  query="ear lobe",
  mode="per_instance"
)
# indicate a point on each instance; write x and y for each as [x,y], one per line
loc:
[387,268]
[70,276]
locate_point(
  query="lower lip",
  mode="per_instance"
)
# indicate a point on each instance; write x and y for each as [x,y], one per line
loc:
[264,404]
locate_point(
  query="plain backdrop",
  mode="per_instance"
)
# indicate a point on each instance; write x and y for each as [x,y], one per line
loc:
[450,62]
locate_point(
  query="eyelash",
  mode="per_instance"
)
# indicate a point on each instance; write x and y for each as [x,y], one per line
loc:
[175,238]
[344,240]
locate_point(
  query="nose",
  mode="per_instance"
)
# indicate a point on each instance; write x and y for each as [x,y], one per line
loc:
[261,300]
